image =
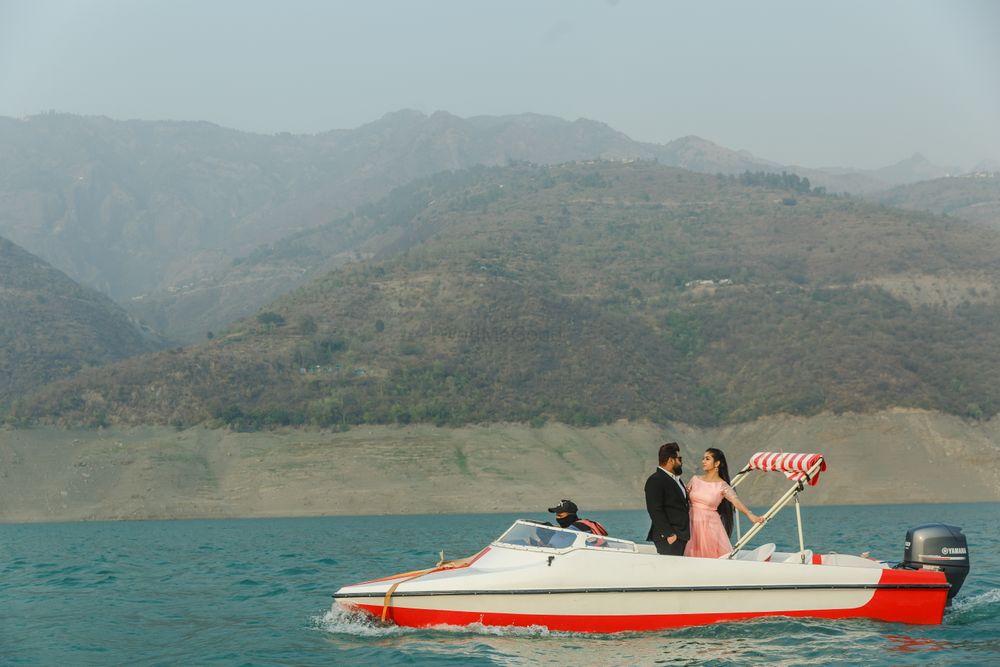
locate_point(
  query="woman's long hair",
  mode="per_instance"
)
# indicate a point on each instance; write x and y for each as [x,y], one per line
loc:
[725,508]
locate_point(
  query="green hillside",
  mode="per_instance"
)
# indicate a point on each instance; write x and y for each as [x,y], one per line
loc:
[581,293]
[50,327]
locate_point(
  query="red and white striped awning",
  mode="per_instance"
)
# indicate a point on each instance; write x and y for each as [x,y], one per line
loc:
[795,466]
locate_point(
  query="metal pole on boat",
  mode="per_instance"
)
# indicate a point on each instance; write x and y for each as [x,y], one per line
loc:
[793,492]
[798,519]
[739,476]
[732,484]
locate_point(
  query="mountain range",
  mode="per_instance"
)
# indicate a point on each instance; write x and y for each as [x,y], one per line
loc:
[163,216]
[587,293]
[974,197]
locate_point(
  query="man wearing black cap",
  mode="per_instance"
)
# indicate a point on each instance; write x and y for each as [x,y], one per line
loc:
[566,517]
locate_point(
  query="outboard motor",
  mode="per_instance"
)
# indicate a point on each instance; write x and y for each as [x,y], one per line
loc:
[935,546]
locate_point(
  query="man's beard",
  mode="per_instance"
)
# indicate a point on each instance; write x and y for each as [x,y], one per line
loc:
[679,470]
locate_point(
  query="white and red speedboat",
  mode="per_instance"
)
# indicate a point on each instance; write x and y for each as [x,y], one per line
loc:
[540,575]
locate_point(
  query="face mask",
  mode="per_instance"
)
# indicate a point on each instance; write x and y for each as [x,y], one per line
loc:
[566,521]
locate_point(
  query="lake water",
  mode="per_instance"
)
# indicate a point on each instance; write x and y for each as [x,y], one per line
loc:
[257,592]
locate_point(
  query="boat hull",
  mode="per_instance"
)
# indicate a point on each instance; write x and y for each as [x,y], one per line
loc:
[643,592]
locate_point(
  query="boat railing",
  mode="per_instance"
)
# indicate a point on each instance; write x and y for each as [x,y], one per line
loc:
[803,470]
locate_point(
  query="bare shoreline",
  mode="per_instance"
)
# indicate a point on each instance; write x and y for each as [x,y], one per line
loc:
[50,475]
[532,513]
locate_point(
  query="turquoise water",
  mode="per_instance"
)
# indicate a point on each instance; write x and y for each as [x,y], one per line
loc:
[257,592]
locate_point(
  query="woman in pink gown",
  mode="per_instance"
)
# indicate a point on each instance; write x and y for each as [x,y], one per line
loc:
[712,502]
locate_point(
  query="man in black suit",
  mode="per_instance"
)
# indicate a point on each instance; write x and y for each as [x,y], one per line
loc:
[667,503]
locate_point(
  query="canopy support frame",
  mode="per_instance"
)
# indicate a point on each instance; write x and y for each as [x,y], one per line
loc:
[791,494]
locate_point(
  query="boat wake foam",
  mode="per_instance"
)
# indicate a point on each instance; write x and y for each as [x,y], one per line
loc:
[976,608]
[360,624]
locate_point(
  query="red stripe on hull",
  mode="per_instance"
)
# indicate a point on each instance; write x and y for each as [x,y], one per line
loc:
[921,606]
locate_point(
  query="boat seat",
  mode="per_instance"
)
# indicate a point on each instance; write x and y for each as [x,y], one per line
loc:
[761,553]
[797,557]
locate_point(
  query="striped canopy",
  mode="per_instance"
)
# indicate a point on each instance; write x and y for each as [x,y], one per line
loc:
[795,466]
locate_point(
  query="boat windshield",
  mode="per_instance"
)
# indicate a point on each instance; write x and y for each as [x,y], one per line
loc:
[528,534]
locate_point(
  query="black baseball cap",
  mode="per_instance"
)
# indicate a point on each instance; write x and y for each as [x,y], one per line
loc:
[564,506]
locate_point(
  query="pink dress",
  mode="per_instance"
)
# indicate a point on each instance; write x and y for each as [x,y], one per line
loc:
[708,536]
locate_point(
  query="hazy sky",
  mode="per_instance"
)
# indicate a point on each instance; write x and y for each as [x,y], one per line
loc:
[812,83]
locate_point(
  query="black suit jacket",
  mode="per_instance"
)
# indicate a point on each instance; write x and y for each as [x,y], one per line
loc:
[667,506]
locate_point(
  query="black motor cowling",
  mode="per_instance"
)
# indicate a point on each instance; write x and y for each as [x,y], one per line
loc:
[935,546]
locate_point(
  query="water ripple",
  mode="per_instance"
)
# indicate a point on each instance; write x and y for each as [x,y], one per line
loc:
[258,592]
